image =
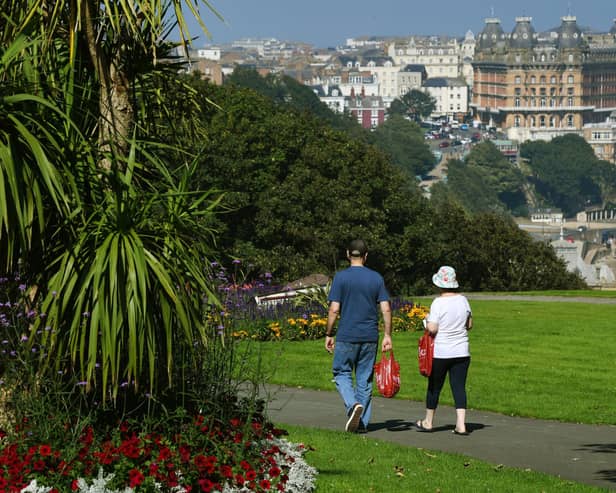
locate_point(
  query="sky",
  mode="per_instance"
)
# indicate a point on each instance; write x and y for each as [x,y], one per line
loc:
[325,23]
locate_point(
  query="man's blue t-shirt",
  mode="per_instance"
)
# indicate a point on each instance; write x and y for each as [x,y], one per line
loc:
[359,290]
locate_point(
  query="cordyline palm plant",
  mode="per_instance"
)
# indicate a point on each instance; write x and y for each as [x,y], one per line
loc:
[113,243]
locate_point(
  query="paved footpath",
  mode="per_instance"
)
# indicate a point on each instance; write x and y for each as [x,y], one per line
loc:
[582,453]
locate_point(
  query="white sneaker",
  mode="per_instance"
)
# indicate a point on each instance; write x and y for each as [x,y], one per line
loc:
[353,422]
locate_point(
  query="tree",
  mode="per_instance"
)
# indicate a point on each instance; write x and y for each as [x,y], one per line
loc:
[404,143]
[111,240]
[564,172]
[415,104]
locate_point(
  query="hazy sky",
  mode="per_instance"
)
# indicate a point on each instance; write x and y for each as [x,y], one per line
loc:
[330,22]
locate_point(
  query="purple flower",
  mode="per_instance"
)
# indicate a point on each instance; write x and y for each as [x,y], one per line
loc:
[23,338]
[81,384]
[237,261]
[22,287]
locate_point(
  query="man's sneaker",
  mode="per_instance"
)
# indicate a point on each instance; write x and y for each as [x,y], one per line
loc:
[354,419]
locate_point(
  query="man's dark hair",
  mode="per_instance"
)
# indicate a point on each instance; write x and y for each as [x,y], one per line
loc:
[357,248]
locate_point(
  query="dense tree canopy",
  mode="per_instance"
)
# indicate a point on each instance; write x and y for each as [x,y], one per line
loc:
[485,181]
[403,141]
[415,104]
[567,174]
[297,191]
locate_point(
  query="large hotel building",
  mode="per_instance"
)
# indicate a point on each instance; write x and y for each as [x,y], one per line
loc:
[539,85]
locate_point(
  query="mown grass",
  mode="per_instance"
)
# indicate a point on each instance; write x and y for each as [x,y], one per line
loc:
[355,463]
[545,360]
[584,293]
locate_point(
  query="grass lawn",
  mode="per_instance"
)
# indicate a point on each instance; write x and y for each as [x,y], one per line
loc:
[583,293]
[354,463]
[536,359]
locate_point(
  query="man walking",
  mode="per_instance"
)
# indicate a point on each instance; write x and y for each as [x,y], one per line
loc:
[356,295]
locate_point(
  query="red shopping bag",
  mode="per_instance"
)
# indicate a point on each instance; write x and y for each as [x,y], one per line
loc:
[387,375]
[425,353]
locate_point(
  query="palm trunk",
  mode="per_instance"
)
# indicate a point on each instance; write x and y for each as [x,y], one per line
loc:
[116,111]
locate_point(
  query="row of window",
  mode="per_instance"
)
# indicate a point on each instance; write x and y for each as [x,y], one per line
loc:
[552,102]
[430,52]
[543,79]
[551,121]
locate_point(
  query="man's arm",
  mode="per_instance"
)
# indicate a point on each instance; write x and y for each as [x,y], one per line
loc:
[386,345]
[332,316]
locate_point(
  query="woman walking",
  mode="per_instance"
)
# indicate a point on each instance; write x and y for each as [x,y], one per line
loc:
[449,320]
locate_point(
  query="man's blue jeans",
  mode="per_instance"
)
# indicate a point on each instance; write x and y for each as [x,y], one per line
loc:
[357,357]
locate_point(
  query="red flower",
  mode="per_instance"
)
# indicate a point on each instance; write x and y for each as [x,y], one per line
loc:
[45,450]
[226,471]
[239,479]
[164,454]
[274,472]
[265,484]
[251,475]
[184,453]
[206,485]
[136,477]
[74,485]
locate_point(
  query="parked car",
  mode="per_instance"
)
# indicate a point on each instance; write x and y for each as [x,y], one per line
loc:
[464,126]
[443,143]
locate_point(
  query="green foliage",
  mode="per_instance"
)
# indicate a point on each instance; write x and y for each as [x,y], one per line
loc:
[485,181]
[404,143]
[287,92]
[415,104]
[114,256]
[567,174]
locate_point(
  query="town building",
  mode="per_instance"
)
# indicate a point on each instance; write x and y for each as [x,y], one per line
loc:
[540,85]
[442,56]
[451,96]
[369,111]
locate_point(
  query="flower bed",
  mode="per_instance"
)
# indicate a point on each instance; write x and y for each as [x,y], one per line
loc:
[178,455]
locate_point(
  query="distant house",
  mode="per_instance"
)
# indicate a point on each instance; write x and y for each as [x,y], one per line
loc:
[508,148]
[369,111]
[547,215]
[451,95]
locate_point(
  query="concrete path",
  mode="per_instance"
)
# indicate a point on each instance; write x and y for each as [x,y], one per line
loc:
[582,453]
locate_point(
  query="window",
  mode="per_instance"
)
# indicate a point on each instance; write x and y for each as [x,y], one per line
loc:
[518,79]
[570,79]
[542,102]
[542,121]
[533,79]
[569,101]
[532,121]
[552,121]
[570,120]
[542,79]
[517,91]
[517,101]
[553,79]
[516,121]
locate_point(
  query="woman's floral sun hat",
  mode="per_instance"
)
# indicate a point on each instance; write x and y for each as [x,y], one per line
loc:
[445,278]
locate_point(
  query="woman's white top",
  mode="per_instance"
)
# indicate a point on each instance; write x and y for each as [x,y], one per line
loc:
[450,313]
